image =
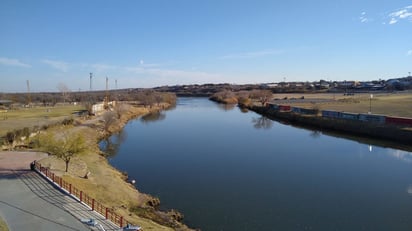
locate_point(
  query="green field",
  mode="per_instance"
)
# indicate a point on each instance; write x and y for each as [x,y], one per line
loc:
[36,116]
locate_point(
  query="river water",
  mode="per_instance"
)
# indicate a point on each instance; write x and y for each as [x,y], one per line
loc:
[225,169]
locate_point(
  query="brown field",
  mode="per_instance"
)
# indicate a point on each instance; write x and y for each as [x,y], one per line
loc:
[36,116]
[393,104]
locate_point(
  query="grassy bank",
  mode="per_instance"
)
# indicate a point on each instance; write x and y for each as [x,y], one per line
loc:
[104,183]
[34,117]
[108,185]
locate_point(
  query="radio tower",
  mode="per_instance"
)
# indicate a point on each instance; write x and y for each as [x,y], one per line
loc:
[106,98]
[91,76]
[28,93]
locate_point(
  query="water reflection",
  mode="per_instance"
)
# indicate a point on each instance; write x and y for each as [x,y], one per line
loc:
[315,134]
[226,107]
[262,122]
[110,145]
[153,117]
[400,155]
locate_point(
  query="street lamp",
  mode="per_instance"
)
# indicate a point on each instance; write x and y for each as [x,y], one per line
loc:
[370,103]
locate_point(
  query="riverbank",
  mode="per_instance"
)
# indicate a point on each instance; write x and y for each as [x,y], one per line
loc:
[398,136]
[107,184]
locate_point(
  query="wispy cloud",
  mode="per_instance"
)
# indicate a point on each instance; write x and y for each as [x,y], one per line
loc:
[253,54]
[12,62]
[404,13]
[59,65]
[363,18]
[409,53]
[172,73]
[101,67]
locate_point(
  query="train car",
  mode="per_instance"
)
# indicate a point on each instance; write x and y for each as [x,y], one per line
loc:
[273,106]
[349,116]
[307,111]
[284,108]
[296,110]
[400,121]
[330,114]
[379,119]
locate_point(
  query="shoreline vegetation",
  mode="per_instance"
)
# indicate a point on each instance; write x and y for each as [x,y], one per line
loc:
[92,173]
[384,103]
[108,184]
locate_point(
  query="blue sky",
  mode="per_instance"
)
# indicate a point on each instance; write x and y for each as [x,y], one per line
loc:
[165,42]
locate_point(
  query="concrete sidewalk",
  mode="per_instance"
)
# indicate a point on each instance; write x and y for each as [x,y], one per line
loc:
[30,202]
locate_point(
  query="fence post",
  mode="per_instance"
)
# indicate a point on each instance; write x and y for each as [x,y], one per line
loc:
[107,211]
[52,175]
[121,222]
[70,188]
[61,180]
[81,196]
[92,204]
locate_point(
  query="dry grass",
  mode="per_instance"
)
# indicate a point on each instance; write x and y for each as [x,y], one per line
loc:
[393,104]
[37,116]
[105,183]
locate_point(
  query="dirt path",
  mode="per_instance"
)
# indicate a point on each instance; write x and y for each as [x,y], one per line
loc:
[12,161]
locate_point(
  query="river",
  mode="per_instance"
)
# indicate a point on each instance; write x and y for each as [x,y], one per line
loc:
[225,169]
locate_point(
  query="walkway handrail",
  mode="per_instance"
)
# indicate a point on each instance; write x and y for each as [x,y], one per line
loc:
[82,197]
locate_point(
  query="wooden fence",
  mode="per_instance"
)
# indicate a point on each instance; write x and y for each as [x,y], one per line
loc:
[108,213]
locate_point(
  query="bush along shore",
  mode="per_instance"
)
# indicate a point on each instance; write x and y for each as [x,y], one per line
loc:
[395,134]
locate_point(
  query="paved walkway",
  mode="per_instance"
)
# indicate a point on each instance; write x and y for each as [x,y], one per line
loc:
[30,202]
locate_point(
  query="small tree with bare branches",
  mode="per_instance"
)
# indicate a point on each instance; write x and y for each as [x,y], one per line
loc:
[64,146]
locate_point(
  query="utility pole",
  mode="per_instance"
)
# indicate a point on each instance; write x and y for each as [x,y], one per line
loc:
[28,93]
[91,76]
[106,98]
[370,104]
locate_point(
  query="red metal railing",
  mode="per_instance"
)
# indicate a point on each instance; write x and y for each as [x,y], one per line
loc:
[108,213]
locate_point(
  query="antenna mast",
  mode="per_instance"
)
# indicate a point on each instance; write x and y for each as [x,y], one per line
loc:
[91,76]
[28,93]
[106,98]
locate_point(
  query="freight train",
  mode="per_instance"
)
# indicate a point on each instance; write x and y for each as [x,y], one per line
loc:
[369,118]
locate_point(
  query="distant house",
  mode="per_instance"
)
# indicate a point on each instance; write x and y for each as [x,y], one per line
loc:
[5,103]
[347,84]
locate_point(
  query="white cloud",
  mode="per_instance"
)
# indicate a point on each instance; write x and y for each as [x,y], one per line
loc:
[393,21]
[59,65]
[253,54]
[409,53]
[12,62]
[102,67]
[363,18]
[401,14]
[171,72]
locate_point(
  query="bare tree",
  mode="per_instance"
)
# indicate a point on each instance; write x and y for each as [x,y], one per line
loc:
[121,109]
[63,146]
[109,119]
[263,96]
[64,90]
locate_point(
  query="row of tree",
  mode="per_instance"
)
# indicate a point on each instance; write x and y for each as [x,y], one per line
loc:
[242,97]
[148,97]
